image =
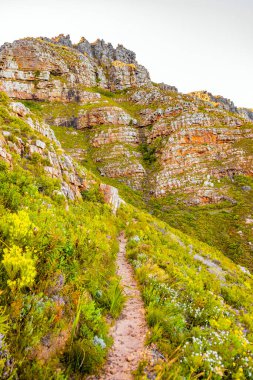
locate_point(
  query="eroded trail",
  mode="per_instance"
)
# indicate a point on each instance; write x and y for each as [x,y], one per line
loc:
[130,330]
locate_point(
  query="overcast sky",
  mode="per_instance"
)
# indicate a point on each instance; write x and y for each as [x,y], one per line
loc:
[192,44]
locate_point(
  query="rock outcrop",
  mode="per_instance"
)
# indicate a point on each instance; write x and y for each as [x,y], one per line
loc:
[105,53]
[111,196]
[106,116]
[56,70]
[189,157]
[41,147]
[223,103]
[45,148]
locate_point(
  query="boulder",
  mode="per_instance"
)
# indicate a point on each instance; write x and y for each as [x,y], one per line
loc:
[111,196]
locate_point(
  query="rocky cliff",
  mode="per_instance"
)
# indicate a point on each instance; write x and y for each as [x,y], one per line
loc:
[45,69]
[149,136]
[27,140]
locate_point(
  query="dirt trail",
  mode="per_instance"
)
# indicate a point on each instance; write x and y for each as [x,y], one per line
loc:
[129,331]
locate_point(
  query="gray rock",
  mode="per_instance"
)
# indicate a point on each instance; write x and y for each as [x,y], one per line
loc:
[136,238]
[62,40]
[19,109]
[40,144]
[99,342]
[124,55]
[167,87]
[84,47]
[246,188]
[244,270]
[6,133]
[246,113]
[102,51]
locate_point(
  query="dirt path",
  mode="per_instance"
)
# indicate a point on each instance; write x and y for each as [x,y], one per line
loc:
[130,330]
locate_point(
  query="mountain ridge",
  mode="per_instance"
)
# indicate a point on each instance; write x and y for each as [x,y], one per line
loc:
[64,156]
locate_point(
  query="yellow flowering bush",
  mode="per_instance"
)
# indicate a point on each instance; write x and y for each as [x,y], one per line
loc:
[20,267]
[19,226]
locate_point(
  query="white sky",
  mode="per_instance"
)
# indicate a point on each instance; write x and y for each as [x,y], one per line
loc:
[192,44]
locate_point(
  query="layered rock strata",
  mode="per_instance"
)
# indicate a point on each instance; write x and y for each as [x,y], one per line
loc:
[56,70]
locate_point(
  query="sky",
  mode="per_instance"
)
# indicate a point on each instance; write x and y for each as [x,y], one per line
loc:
[191,44]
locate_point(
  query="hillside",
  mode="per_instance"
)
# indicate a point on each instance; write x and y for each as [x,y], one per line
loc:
[91,148]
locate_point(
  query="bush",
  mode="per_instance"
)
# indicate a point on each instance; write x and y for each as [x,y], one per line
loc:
[20,267]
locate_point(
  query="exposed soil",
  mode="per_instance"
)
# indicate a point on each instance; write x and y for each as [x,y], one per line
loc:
[129,331]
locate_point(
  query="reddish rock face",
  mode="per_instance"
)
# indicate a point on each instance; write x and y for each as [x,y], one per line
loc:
[189,156]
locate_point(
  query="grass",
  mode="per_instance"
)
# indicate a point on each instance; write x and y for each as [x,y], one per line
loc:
[73,251]
[200,320]
[200,324]
[227,229]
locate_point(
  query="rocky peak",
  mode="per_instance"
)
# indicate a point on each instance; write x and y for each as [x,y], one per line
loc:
[55,70]
[167,87]
[104,52]
[223,103]
[84,47]
[99,49]
[62,40]
[246,113]
[124,55]
[219,101]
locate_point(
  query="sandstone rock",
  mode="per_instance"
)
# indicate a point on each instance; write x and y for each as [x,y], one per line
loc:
[126,75]
[6,156]
[217,100]
[246,113]
[130,173]
[56,70]
[246,188]
[104,52]
[125,135]
[104,115]
[62,40]
[202,119]
[224,103]
[124,55]
[148,96]
[6,133]
[84,47]
[40,144]
[188,156]
[44,129]
[111,196]
[167,87]
[63,121]
[19,109]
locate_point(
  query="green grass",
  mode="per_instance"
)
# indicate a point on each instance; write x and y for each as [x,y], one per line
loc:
[72,246]
[245,144]
[200,322]
[220,225]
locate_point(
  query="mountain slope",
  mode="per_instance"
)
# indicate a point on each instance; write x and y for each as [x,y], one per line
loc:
[58,277]
[186,158]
